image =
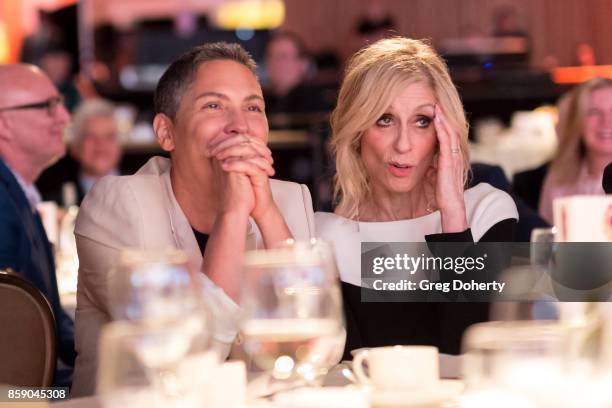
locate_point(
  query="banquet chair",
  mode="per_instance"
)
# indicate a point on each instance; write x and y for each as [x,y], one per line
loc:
[28,335]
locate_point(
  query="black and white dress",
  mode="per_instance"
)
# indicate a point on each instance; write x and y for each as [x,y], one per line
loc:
[491,216]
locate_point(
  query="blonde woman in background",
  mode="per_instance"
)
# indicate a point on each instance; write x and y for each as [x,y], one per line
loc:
[401,150]
[585,148]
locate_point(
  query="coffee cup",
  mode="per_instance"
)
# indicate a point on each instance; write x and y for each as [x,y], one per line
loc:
[398,367]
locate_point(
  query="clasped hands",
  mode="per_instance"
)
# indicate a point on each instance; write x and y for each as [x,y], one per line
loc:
[241,166]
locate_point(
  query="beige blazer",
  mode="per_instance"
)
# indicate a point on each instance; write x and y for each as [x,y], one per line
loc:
[140,211]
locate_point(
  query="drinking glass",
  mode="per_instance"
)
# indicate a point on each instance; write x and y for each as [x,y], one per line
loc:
[542,248]
[158,365]
[530,294]
[152,284]
[154,291]
[531,363]
[292,323]
[524,358]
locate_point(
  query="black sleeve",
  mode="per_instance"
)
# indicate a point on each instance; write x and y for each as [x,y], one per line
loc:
[464,236]
[351,296]
[461,244]
[454,318]
[503,231]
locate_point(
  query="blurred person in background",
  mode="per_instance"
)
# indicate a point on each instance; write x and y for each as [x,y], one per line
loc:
[43,38]
[400,142]
[48,48]
[57,63]
[32,122]
[329,70]
[95,152]
[585,149]
[95,144]
[506,23]
[293,102]
[514,39]
[374,24]
[287,90]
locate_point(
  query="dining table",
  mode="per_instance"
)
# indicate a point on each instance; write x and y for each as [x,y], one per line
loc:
[339,376]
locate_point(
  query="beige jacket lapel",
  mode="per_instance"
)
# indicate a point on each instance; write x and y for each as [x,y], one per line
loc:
[182,231]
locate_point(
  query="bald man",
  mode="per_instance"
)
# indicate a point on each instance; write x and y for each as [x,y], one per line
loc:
[32,120]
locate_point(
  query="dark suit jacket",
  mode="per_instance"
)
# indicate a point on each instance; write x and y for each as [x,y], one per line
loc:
[528,215]
[24,247]
[51,180]
[528,185]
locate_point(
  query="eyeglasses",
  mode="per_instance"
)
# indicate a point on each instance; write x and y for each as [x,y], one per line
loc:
[51,105]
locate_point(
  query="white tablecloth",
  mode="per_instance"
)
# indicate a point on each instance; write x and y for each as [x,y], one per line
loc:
[449,368]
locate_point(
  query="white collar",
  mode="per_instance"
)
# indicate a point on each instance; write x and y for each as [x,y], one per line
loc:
[30,190]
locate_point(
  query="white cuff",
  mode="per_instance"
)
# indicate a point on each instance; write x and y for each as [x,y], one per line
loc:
[224,311]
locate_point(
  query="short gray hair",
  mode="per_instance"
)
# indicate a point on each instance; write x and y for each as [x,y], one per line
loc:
[87,110]
[180,74]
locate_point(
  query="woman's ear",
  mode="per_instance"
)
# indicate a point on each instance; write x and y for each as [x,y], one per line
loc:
[164,131]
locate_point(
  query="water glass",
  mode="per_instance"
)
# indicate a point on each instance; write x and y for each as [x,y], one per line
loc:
[293,324]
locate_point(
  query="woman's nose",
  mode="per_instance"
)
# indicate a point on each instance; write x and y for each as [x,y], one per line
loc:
[402,141]
[237,122]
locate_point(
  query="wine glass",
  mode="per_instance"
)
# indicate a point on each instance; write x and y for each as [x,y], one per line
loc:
[163,365]
[155,291]
[292,325]
[151,284]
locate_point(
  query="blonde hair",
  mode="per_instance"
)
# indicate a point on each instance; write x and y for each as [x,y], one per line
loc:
[374,77]
[565,166]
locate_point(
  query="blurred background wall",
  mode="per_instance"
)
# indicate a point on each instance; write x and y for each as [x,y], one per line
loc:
[556,25]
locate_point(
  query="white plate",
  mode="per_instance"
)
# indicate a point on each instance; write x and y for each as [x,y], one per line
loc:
[444,391]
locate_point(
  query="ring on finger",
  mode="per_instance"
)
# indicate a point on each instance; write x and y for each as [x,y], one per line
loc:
[455,151]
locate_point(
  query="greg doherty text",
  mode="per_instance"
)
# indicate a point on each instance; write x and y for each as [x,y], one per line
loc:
[427,286]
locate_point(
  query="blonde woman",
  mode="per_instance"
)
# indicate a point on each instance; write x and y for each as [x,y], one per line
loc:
[401,151]
[585,149]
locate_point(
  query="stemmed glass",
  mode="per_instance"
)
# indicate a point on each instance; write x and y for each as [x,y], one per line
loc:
[530,295]
[155,293]
[151,285]
[164,365]
[292,323]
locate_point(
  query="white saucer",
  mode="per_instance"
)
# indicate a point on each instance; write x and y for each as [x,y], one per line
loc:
[442,392]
